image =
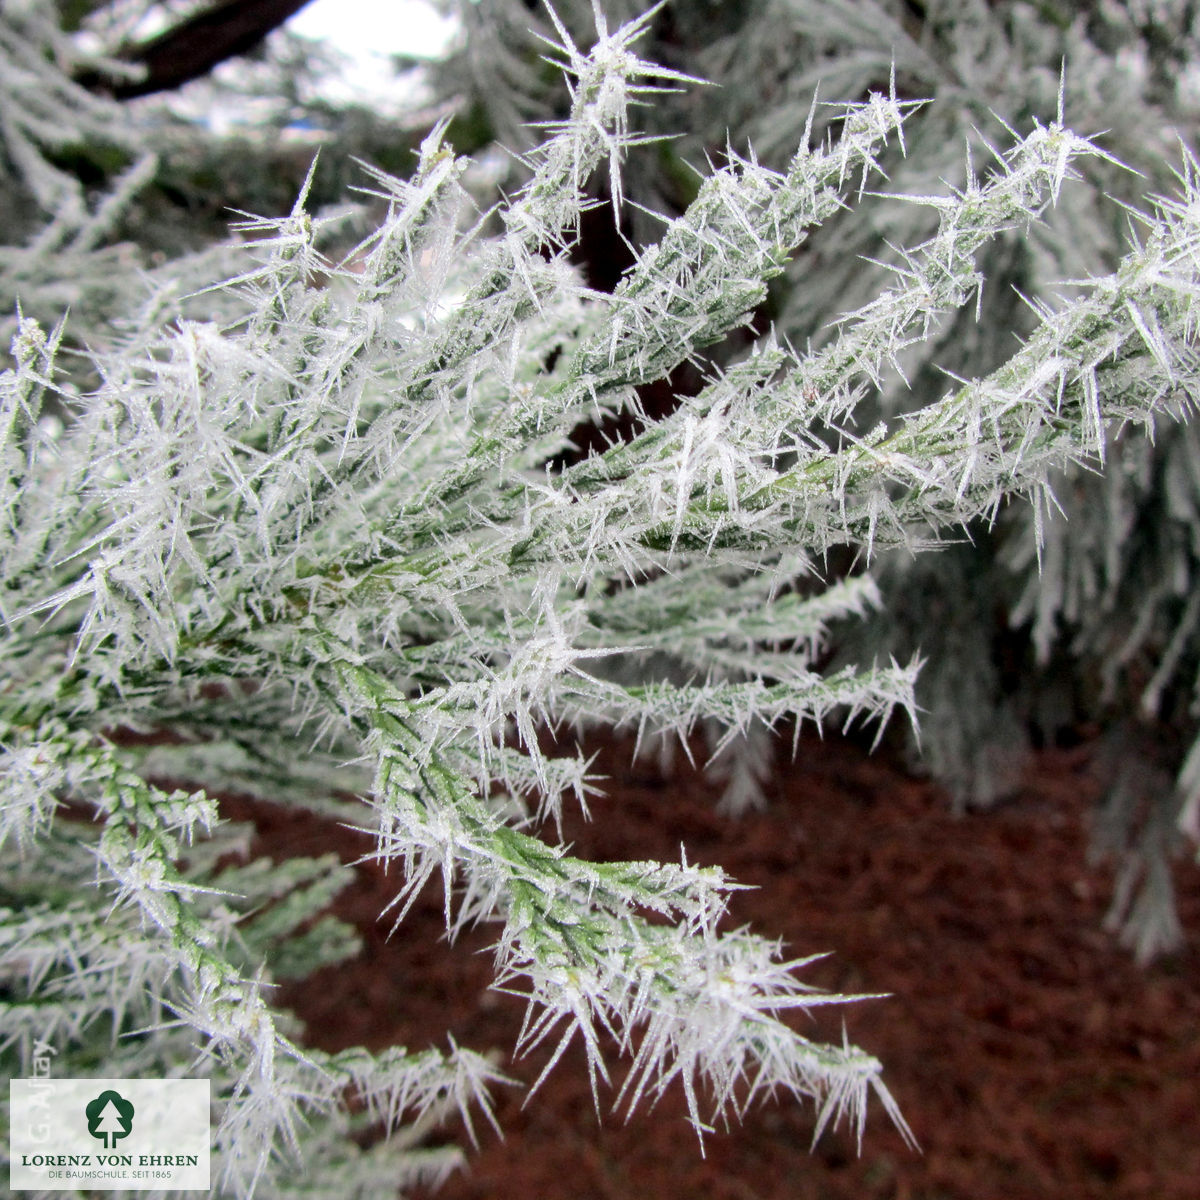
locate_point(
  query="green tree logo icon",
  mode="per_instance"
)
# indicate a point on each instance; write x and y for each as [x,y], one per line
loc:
[109,1117]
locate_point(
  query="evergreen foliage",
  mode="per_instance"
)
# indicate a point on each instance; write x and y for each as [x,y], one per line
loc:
[1047,618]
[301,492]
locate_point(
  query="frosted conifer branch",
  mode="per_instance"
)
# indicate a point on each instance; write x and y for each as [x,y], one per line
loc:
[710,1003]
[318,486]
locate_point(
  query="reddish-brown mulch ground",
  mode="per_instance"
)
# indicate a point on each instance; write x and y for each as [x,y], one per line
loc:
[1030,1055]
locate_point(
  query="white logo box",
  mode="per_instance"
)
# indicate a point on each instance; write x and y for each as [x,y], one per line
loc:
[68,1134]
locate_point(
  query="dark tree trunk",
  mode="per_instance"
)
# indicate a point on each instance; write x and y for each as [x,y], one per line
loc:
[195,46]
